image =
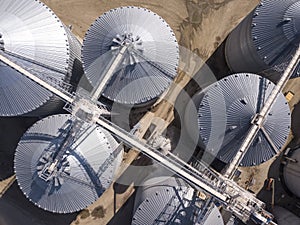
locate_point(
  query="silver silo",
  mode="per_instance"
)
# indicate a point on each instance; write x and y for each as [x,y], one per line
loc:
[68,180]
[285,217]
[267,37]
[34,38]
[224,112]
[169,200]
[147,67]
[291,172]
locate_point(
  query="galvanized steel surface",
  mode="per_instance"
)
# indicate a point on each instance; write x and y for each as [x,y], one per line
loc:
[243,95]
[167,200]
[285,217]
[213,218]
[150,62]
[267,37]
[276,41]
[291,173]
[86,169]
[36,39]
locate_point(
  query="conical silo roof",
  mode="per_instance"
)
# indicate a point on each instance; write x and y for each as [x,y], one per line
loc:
[149,64]
[266,40]
[276,30]
[243,96]
[169,200]
[81,174]
[34,38]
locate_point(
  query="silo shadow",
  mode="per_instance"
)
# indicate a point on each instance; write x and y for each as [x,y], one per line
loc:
[12,129]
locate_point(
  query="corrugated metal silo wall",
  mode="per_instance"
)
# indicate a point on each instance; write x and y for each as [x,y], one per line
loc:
[291,173]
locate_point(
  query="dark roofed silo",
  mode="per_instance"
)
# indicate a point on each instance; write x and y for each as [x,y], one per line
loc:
[65,180]
[267,37]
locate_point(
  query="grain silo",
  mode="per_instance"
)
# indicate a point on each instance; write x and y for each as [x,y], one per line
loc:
[65,179]
[267,37]
[149,63]
[224,114]
[291,172]
[34,38]
[285,217]
[169,200]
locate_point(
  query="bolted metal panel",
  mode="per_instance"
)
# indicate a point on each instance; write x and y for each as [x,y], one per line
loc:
[85,171]
[149,63]
[267,37]
[291,173]
[34,38]
[242,95]
[169,200]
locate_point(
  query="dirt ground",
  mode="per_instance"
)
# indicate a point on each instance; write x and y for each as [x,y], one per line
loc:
[198,24]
